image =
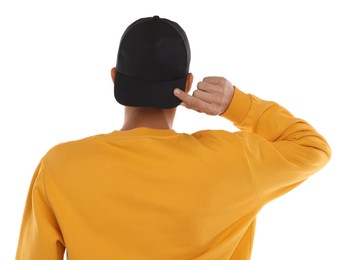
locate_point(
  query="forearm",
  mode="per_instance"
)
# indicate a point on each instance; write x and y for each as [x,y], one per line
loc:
[274,123]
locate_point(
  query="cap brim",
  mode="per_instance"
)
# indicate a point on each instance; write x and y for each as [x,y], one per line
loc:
[133,92]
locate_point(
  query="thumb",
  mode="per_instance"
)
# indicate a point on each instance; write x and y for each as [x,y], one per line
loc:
[180,94]
[189,101]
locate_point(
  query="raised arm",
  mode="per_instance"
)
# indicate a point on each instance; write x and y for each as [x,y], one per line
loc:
[281,150]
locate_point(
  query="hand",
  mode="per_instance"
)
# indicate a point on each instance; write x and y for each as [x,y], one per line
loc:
[212,96]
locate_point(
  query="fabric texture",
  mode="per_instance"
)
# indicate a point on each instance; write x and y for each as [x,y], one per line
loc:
[158,194]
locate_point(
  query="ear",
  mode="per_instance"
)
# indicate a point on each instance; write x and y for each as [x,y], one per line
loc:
[113,74]
[189,82]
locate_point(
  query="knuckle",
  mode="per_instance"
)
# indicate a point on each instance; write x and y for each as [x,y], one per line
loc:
[222,80]
[209,80]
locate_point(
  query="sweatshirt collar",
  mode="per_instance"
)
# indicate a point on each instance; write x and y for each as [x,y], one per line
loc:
[145,131]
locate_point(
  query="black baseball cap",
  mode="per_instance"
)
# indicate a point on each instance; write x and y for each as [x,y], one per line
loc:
[153,59]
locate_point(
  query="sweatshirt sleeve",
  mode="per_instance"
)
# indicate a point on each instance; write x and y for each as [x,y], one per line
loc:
[40,236]
[281,150]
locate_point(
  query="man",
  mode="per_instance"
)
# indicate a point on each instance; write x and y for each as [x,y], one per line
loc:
[148,192]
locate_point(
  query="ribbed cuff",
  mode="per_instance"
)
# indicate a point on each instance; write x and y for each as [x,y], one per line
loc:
[239,107]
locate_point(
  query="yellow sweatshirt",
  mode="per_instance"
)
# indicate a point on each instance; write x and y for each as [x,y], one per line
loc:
[158,194]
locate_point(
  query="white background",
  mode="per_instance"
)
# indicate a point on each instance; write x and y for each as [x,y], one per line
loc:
[55,86]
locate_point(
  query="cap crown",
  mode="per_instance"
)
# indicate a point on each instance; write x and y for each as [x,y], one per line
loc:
[153,59]
[154,49]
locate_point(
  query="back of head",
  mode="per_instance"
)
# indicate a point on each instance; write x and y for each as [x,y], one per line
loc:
[153,59]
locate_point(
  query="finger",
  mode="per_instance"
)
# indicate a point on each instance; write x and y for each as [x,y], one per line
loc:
[180,94]
[204,96]
[191,101]
[214,80]
[186,106]
[207,87]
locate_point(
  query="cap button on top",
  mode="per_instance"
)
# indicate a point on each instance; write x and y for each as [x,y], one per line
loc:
[156,17]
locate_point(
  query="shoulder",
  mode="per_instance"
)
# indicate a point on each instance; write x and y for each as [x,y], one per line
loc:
[216,134]
[228,140]
[73,148]
[218,137]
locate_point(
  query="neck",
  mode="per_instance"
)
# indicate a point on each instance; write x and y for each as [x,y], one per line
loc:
[148,117]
